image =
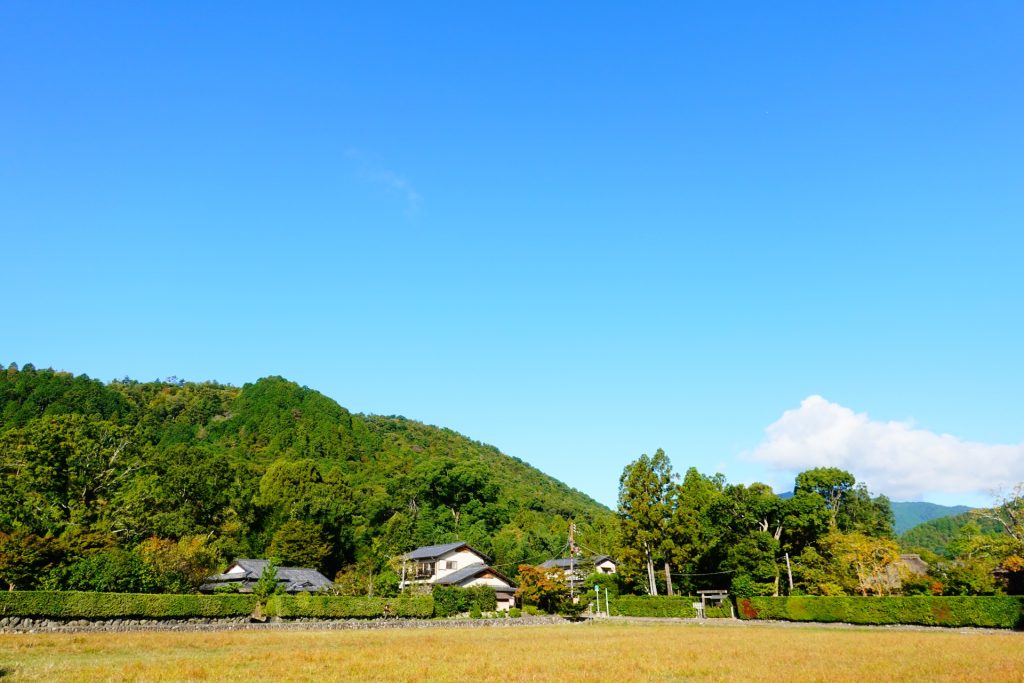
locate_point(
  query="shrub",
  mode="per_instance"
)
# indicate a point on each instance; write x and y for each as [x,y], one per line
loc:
[483,598]
[449,601]
[344,607]
[474,612]
[573,610]
[82,605]
[452,600]
[515,612]
[653,606]
[722,612]
[607,582]
[985,611]
[113,570]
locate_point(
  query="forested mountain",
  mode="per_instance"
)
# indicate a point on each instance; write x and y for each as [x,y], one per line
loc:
[910,514]
[115,473]
[940,535]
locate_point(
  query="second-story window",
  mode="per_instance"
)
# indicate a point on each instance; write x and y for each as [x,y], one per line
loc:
[424,570]
[450,564]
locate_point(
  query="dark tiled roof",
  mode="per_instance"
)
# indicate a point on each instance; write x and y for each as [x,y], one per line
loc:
[468,572]
[295,579]
[429,552]
[563,562]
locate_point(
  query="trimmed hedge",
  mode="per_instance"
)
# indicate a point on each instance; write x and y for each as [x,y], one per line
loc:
[653,606]
[82,605]
[984,611]
[341,607]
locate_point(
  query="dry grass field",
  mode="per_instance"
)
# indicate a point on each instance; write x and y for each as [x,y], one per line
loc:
[594,652]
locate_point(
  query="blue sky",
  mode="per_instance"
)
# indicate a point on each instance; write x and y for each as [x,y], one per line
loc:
[579,233]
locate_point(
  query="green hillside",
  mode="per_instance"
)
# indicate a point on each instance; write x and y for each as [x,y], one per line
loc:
[271,468]
[938,534]
[909,515]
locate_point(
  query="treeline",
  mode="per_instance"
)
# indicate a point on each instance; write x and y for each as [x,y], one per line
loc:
[149,486]
[831,538]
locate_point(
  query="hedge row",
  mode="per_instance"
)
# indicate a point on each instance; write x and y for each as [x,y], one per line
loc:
[336,607]
[653,606]
[984,611]
[81,605]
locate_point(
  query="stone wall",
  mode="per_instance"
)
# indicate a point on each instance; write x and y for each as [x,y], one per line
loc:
[27,625]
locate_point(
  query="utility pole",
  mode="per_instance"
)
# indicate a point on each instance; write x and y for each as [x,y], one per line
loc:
[572,561]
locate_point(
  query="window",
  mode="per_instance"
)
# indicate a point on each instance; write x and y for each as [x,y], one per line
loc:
[424,570]
[450,564]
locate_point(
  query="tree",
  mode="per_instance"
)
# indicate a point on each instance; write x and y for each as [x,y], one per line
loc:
[25,558]
[863,564]
[180,566]
[697,526]
[850,506]
[268,584]
[113,570]
[541,586]
[299,544]
[831,483]
[646,499]
[64,470]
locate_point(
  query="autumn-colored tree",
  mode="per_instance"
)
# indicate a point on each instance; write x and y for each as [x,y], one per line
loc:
[869,566]
[542,586]
[180,566]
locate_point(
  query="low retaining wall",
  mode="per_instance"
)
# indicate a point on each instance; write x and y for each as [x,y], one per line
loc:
[29,625]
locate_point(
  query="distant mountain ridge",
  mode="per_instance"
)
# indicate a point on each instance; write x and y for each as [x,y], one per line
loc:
[910,514]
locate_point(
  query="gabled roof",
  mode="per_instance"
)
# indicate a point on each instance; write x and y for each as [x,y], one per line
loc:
[470,571]
[430,552]
[294,578]
[565,562]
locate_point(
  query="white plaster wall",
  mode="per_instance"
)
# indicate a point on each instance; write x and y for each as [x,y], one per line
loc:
[462,558]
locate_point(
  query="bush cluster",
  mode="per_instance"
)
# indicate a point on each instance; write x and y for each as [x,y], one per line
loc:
[81,605]
[985,611]
[653,606]
[452,600]
[344,607]
[718,612]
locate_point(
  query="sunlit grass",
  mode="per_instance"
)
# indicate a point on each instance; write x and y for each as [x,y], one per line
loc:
[606,651]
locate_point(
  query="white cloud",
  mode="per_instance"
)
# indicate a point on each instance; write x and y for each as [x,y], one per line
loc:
[371,171]
[893,458]
[398,184]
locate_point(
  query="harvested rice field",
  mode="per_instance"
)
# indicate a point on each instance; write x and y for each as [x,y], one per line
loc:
[619,651]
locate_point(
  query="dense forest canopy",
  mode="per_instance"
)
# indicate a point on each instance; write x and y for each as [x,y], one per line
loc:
[94,476]
[830,537]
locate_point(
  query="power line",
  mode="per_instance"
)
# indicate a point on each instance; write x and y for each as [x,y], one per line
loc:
[704,573]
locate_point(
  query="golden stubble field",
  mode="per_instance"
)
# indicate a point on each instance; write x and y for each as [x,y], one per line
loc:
[602,651]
